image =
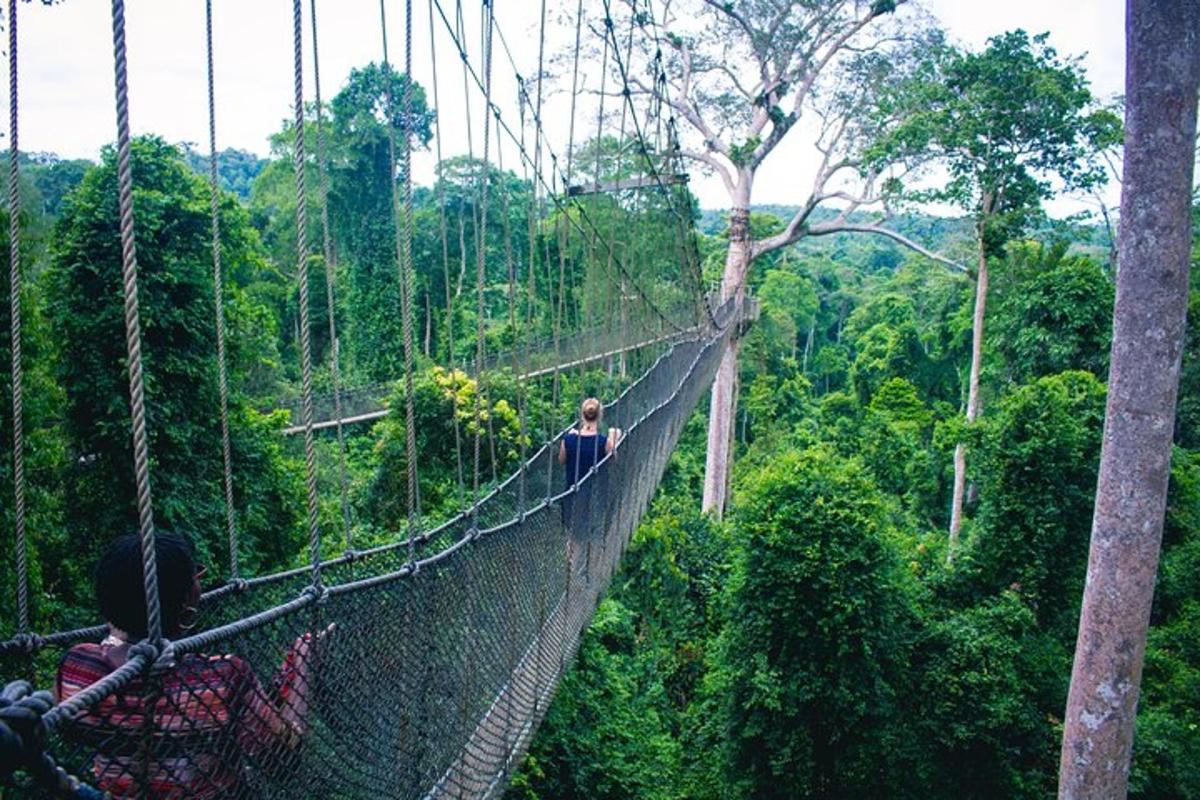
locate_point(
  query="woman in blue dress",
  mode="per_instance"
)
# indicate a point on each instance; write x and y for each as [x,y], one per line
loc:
[583,449]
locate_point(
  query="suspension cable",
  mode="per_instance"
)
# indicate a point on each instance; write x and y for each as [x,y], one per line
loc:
[441,186]
[584,218]
[310,473]
[330,278]
[690,256]
[14,321]
[219,298]
[402,230]
[133,330]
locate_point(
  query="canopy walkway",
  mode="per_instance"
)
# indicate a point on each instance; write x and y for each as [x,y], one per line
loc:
[442,665]
[419,667]
[368,402]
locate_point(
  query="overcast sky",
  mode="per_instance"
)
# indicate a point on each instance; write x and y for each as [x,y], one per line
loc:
[66,69]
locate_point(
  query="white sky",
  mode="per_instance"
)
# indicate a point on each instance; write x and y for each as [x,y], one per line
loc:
[66,70]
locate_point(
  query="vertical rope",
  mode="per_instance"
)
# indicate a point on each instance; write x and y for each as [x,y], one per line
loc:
[562,227]
[515,358]
[402,216]
[441,184]
[485,41]
[479,261]
[409,283]
[133,329]
[310,471]
[219,298]
[14,307]
[327,253]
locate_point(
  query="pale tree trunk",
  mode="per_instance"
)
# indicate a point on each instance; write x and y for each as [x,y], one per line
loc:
[722,406]
[808,346]
[1161,81]
[960,454]
[428,325]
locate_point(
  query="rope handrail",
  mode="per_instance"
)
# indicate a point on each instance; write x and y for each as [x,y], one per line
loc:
[467,625]
[75,635]
[66,710]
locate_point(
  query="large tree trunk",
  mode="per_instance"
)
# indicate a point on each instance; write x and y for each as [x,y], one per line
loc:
[722,407]
[960,455]
[1162,77]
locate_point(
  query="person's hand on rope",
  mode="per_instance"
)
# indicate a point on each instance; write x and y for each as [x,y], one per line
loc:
[295,682]
[614,436]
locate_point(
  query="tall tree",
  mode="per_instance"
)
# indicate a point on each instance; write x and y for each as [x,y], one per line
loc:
[742,75]
[361,208]
[1161,80]
[175,286]
[1004,122]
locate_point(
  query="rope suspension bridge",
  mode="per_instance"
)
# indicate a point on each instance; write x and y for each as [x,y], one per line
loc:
[441,649]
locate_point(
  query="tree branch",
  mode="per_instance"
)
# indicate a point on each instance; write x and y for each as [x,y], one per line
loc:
[708,159]
[846,227]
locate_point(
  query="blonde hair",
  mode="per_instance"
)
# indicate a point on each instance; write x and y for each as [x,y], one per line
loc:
[590,410]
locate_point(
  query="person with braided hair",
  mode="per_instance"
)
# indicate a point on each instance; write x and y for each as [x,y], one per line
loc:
[199,707]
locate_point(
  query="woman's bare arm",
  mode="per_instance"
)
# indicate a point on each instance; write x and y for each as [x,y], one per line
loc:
[562,452]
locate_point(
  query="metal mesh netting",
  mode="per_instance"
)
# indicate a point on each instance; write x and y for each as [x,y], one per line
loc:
[435,673]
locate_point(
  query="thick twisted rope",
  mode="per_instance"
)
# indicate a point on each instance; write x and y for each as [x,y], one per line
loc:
[441,184]
[409,285]
[133,329]
[327,251]
[14,307]
[480,259]
[219,298]
[310,472]
[402,217]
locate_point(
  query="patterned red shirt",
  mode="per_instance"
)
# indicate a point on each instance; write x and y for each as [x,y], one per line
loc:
[210,719]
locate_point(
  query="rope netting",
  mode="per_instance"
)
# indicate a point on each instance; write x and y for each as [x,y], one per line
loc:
[365,402]
[434,673]
[418,668]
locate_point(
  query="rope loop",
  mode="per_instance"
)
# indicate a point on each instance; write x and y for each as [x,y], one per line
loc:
[29,643]
[319,594]
[158,657]
[239,585]
[22,731]
[351,555]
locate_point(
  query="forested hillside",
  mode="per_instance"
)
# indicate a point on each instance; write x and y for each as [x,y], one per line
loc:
[817,643]
[882,600]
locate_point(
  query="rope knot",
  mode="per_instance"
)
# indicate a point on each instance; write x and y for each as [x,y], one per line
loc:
[474,533]
[351,555]
[28,642]
[319,594]
[158,658]
[239,585]
[22,731]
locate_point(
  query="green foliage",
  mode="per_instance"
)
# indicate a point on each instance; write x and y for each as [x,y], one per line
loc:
[236,169]
[175,289]
[977,711]
[1005,121]
[1053,315]
[440,398]
[1036,463]
[625,752]
[808,672]
[1187,416]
